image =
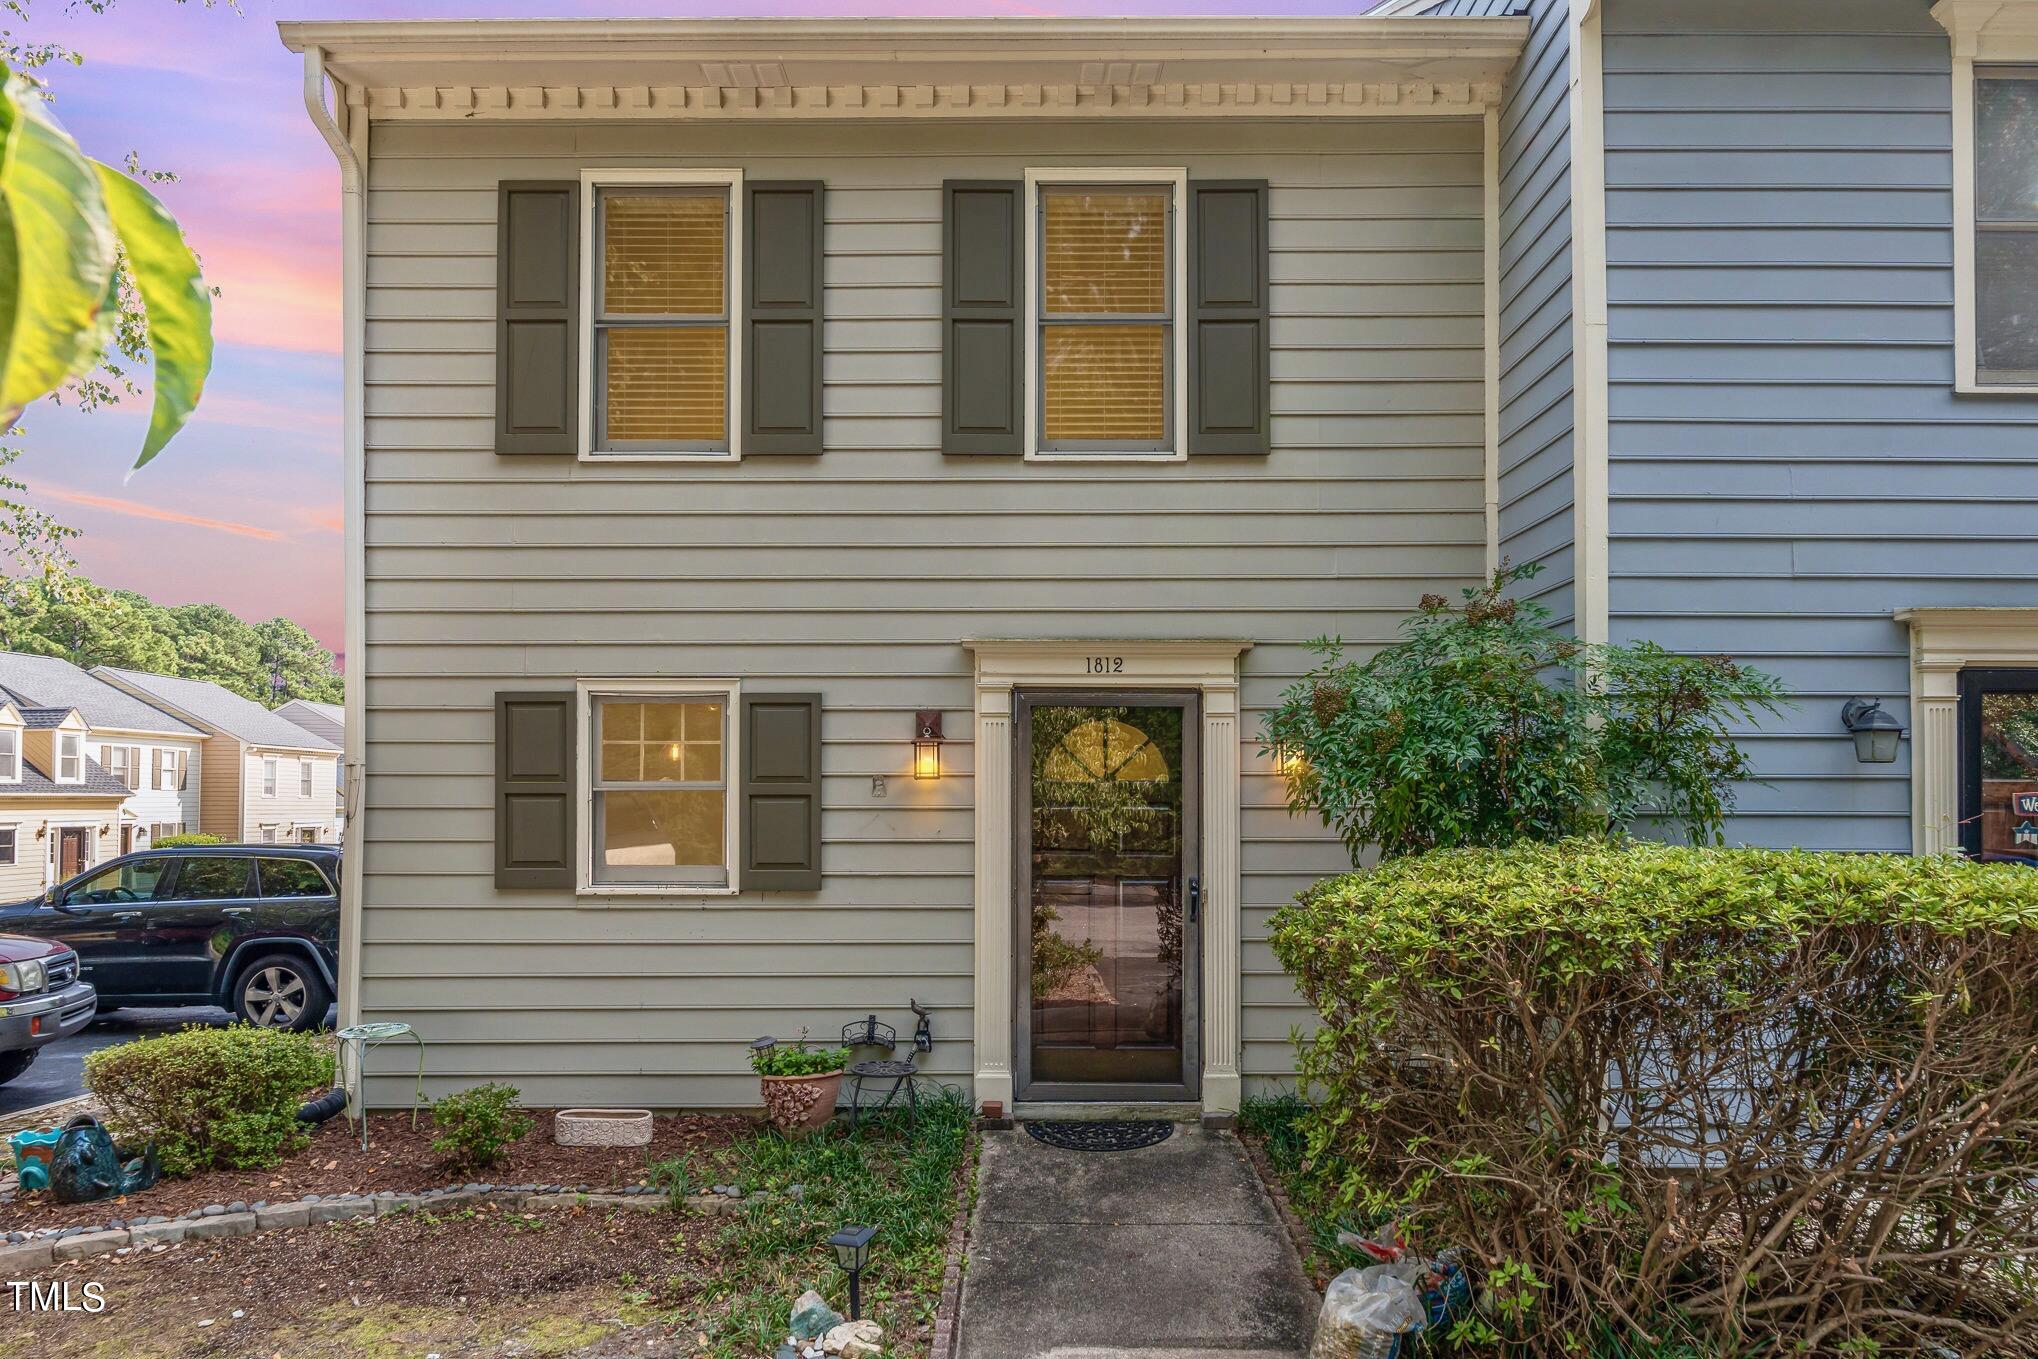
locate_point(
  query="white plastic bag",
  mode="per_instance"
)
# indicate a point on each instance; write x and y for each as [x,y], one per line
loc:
[1366,1314]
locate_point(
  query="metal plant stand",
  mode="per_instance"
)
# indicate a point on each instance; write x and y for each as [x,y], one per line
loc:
[869,1033]
[359,1039]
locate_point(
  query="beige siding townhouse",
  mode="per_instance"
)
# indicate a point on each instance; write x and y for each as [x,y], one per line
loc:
[829,504]
[265,779]
[326,720]
[59,811]
[155,755]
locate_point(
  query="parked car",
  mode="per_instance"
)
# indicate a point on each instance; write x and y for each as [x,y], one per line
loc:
[42,999]
[255,928]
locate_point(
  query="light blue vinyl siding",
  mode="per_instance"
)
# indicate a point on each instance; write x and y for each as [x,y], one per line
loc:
[1535,310]
[1789,463]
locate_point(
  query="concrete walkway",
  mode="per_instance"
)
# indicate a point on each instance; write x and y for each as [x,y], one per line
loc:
[1169,1252]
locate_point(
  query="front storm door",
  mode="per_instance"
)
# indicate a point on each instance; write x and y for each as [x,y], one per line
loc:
[1108,942]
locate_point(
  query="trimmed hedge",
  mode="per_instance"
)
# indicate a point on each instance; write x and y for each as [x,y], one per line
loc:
[1702,1094]
[211,1098]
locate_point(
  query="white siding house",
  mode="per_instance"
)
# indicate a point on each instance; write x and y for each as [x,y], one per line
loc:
[153,754]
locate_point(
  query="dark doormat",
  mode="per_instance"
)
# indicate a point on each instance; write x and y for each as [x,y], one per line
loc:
[1106,1135]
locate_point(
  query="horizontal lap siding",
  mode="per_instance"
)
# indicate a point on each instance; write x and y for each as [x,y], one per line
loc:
[1789,462]
[1535,312]
[857,574]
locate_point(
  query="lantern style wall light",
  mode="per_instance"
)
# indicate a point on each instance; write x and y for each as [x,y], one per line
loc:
[1875,732]
[927,745]
[852,1252]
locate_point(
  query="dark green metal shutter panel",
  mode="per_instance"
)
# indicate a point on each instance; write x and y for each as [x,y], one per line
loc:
[782,318]
[781,814]
[1230,389]
[534,789]
[537,332]
[982,348]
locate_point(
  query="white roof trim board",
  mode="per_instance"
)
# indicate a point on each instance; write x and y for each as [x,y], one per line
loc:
[911,68]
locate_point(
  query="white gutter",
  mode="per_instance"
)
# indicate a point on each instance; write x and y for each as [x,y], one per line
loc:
[351,151]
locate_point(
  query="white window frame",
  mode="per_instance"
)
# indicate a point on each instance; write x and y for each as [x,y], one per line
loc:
[586,692]
[11,854]
[1176,180]
[1984,33]
[70,747]
[182,762]
[303,776]
[160,829]
[268,832]
[10,763]
[591,183]
[269,785]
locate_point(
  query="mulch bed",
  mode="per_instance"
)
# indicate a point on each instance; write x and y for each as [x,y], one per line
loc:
[471,1279]
[397,1158]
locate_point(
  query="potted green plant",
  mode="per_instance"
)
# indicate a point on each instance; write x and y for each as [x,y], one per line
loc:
[800,1083]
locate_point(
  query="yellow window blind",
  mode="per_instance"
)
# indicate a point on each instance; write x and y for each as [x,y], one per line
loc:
[668,385]
[663,254]
[1104,383]
[1106,253]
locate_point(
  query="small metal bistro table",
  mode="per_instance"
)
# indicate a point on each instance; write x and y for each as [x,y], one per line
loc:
[360,1038]
[900,1074]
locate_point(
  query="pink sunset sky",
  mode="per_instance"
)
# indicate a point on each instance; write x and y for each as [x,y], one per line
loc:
[243,509]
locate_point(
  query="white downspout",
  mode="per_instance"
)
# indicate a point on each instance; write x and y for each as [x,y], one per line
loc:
[350,149]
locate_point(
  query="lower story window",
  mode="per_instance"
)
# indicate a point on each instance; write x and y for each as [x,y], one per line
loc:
[660,789]
[1999,764]
[7,844]
[163,828]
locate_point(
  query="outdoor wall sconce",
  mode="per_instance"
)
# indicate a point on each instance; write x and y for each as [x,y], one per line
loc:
[1875,732]
[926,745]
[1288,760]
[852,1252]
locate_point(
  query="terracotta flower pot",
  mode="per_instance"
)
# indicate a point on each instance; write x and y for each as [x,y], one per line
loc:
[800,1104]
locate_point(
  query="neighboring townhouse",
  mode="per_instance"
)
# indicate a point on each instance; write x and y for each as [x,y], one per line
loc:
[328,722]
[154,755]
[265,779]
[60,812]
[828,504]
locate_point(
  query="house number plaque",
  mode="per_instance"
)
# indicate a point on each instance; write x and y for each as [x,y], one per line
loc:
[1103,665]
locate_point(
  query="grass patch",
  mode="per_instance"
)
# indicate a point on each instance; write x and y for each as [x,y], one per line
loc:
[901,1180]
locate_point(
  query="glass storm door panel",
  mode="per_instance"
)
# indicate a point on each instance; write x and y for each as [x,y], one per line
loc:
[1109,951]
[1999,765]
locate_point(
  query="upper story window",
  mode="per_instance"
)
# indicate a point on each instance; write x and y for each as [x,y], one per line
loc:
[304,778]
[1106,318]
[70,757]
[269,777]
[10,755]
[2005,311]
[663,285]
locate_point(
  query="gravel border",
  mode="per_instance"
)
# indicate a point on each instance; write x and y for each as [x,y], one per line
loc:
[25,1250]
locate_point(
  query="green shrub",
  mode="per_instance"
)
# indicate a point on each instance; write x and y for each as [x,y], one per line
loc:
[797,1059]
[1770,1094]
[210,1098]
[477,1126]
[1467,731]
[189,838]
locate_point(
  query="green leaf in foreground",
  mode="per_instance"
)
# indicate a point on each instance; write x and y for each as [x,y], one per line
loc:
[179,308]
[57,252]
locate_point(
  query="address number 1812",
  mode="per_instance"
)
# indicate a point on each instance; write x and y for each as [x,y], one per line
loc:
[1103,665]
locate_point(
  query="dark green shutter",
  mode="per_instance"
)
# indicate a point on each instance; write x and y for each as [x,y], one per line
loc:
[782,318]
[1230,392]
[537,331]
[982,348]
[781,816]
[535,807]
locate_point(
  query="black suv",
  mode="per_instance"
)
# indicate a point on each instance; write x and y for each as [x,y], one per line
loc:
[255,928]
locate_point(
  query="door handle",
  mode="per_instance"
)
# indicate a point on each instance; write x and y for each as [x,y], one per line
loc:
[1195,897]
[236,910]
[127,915]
